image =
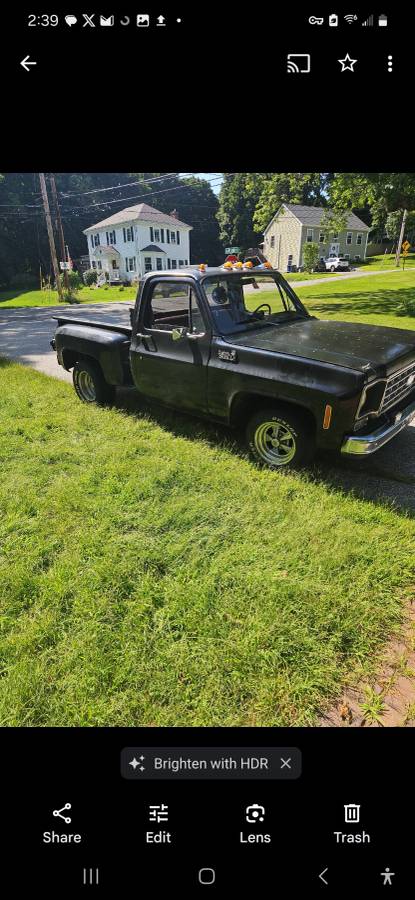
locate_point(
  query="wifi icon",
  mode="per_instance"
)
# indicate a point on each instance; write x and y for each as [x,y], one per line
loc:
[350,18]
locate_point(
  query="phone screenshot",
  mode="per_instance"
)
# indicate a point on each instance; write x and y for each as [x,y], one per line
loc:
[207,446]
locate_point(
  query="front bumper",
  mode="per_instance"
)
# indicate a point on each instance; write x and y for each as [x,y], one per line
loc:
[368,443]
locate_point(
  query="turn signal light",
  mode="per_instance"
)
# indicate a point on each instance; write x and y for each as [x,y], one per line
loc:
[327,417]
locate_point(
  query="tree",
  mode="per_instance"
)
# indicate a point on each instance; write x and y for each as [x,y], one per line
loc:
[237,201]
[311,252]
[333,222]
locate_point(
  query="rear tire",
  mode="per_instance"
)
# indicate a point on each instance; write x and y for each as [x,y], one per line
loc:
[280,438]
[90,384]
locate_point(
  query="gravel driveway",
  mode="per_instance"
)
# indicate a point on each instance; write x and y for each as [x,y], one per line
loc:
[388,475]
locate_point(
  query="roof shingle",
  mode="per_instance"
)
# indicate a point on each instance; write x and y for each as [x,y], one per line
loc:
[312,215]
[143,213]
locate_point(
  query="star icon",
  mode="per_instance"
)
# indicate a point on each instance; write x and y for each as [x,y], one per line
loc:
[347,63]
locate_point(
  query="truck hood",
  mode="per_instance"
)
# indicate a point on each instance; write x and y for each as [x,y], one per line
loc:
[347,344]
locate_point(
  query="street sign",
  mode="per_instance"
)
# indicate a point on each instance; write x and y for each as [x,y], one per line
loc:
[64,266]
[405,253]
[406,245]
[232,249]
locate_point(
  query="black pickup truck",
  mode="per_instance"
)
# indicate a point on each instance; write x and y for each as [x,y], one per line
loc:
[237,346]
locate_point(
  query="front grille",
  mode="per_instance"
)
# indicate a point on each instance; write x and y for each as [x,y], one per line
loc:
[397,387]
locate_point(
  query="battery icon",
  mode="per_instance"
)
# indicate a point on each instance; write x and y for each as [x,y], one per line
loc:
[382,21]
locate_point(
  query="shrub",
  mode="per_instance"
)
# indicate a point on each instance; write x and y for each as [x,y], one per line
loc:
[74,280]
[311,254]
[70,296]
[121,288]
[90,277]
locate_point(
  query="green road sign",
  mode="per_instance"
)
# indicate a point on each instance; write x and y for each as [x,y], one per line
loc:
[229,250]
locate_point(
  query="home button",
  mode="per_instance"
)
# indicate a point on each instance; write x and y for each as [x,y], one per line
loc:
[207,876]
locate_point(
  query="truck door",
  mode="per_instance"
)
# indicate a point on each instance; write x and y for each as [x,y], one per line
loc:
[170,352]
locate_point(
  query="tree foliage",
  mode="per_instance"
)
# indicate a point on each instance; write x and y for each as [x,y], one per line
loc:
[24,246]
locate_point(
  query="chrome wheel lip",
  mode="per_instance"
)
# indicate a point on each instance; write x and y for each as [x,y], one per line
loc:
[86,386]
[275,442]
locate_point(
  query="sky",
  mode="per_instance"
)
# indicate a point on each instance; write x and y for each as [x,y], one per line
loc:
[214,178]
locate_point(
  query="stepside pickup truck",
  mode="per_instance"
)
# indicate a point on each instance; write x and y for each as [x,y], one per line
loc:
[237,346]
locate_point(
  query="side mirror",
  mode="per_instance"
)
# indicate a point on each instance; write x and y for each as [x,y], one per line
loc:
[178,333]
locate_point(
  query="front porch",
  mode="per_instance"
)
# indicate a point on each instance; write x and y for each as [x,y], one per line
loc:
[108,264]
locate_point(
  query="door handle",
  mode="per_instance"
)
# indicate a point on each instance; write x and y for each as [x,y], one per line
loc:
[196,337]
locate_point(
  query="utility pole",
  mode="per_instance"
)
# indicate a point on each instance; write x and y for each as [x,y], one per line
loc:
[401,237]
[50,235]
[60,228]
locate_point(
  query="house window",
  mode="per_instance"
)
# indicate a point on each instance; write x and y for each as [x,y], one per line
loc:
[128,234]
[180,263]
[186,262]
[96,240]
[321,237]
[178,236]
[130,263]
[168,236]
[94,265]
[273,241]
[359,239]
[159,263]
[168,262]
[151,235]
[114,264]
[162,235]
[349,237]
[156,234]
[173,237]
[357,257]
[92,241]
[309,235]
[173,263]
[100,265]
[346,255]
[335,236]
[147,263]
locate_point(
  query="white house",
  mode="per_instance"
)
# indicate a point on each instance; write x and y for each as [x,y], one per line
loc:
[136,240]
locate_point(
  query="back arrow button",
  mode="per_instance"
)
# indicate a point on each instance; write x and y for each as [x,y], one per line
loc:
[322,874]
[26,63]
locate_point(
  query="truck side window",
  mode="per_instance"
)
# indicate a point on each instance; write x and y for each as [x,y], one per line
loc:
[172,305]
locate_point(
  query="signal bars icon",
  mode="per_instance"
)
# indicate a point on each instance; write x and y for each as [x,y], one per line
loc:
[368,21]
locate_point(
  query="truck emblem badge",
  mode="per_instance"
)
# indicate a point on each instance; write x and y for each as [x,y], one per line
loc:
[228,355]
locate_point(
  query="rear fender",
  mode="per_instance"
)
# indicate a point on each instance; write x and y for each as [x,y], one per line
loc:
[74,342]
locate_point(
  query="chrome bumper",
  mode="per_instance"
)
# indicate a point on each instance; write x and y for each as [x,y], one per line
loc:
[368,443]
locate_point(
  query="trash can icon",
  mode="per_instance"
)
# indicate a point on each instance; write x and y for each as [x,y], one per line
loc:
[352,813]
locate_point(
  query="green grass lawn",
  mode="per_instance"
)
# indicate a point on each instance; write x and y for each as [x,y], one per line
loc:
[150,574]
[15,298]
[371,300]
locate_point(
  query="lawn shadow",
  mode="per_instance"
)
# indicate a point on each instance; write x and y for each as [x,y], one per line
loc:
[384,302]
[386,478]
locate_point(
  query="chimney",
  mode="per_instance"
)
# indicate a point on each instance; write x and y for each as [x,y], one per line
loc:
[174,214]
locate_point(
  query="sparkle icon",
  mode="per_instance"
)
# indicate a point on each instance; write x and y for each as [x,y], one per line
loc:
[137,763]
[347,63]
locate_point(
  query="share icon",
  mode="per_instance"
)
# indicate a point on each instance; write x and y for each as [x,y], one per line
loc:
[58,812]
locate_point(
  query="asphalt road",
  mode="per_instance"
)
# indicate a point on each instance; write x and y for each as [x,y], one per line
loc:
[389,474]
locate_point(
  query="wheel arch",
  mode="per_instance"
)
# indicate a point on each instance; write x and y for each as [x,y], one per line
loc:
[244,405]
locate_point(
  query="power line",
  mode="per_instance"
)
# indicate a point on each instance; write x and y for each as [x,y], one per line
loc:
[117,187]
[180,187]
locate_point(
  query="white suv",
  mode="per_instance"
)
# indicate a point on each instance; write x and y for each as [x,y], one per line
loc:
[333,263]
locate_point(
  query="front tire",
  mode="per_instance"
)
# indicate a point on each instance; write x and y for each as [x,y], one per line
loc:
[90,384]
[280,439]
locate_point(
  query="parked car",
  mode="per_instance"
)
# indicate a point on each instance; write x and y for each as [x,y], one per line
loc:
[238,347]
[337,263]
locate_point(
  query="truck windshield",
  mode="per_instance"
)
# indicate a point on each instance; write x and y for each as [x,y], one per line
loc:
[241,302]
